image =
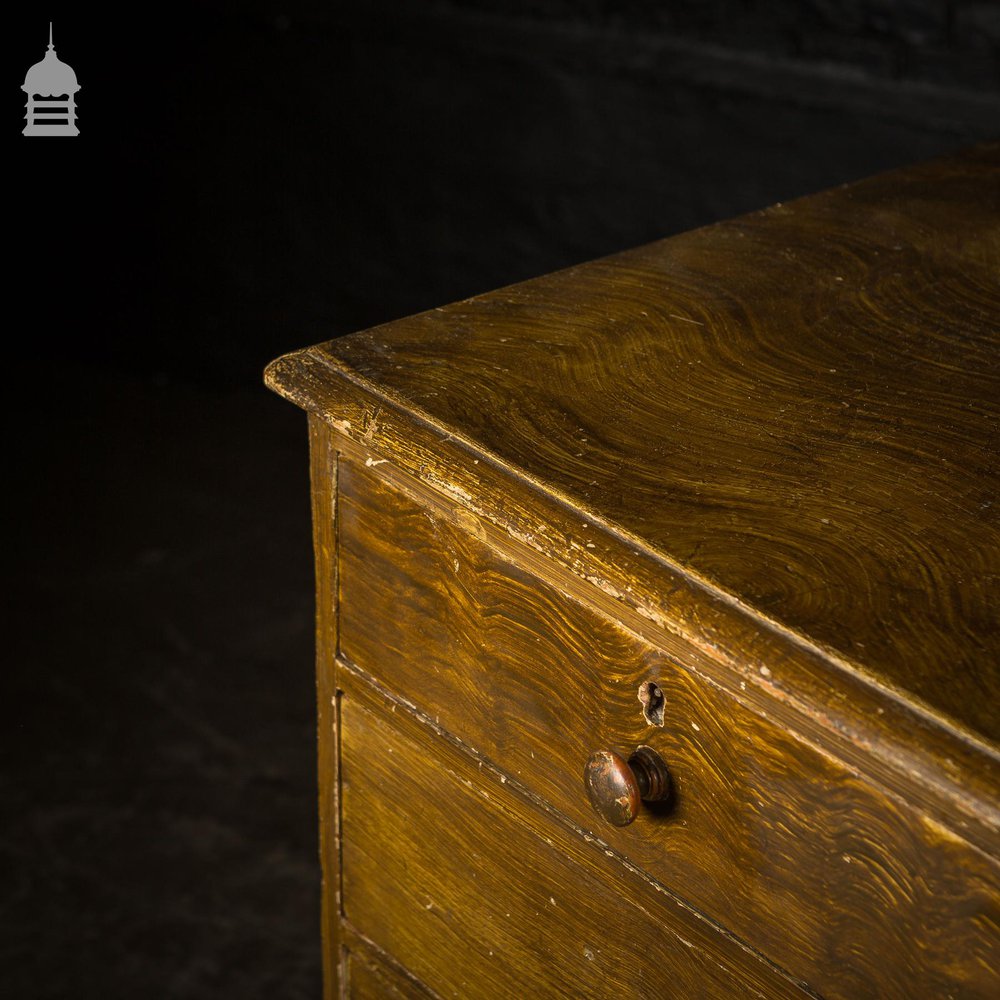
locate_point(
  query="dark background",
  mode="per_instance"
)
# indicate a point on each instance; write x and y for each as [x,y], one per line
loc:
[253,177]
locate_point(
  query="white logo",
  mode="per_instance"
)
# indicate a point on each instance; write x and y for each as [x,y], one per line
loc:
[51,88]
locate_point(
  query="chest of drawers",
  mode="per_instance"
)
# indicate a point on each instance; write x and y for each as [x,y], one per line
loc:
[659,615]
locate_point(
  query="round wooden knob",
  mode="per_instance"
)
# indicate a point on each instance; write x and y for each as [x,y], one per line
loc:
[616,787]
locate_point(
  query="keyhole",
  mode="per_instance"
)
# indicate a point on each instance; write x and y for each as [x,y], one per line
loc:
[652,701]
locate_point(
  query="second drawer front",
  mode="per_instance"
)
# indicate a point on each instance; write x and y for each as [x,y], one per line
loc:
[780,843]
[479,895]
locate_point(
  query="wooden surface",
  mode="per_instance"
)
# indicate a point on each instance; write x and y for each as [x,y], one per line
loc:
[798,408]
[781,843]
[480,895]
[368,975]
[756,463]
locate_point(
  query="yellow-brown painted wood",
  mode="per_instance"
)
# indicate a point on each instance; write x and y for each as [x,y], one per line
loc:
[370,975]
[778,841]
[801,406]
[368,981]
[481,895]
[859,721]
[787,423]
[758,461]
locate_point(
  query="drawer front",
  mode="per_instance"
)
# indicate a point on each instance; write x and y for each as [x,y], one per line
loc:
[479,894]
[842,885]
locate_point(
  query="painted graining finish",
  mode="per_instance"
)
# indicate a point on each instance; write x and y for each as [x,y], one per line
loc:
[756,465]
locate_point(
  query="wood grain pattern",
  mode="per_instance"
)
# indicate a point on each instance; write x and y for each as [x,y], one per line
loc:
[953,778]
[756,463]
[481,895]
[841,883]
[798,408]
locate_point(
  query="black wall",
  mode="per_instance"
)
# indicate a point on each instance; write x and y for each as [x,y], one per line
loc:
[253,176]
